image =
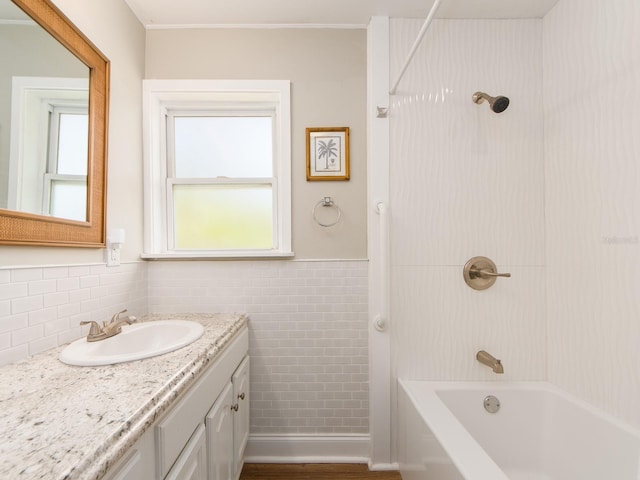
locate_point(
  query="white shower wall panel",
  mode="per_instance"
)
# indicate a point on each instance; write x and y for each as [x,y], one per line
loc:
[441,324]
[464,182]
[591,77]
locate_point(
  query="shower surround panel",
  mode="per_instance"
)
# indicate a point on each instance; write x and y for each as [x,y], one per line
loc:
[465,182]
[592,119]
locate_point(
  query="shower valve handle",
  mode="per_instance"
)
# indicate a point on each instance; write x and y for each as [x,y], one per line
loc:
[488,273]
[481,273]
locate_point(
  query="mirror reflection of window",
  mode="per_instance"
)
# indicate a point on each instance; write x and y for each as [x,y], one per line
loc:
[31,58]
[65,182]
[49,147]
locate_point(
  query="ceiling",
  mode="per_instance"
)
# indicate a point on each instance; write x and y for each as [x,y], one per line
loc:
[334,13]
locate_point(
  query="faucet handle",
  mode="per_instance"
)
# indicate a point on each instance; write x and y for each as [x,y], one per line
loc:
[117,315]
[95,328]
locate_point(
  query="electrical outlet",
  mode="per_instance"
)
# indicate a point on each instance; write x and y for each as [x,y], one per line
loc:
[113,257]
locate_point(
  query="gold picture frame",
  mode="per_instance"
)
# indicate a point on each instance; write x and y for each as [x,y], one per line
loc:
[328,153]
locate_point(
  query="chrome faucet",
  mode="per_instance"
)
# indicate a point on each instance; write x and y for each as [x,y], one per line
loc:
[490,361]
[114,327]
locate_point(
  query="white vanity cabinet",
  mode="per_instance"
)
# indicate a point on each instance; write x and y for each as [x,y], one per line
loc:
[229,418]
[219,424]
[192,462]
[137,463]
[196,438]
[240,381]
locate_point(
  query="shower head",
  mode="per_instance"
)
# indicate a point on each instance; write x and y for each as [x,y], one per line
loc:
[497,104]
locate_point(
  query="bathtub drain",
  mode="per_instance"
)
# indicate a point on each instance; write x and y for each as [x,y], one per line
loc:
[491,404]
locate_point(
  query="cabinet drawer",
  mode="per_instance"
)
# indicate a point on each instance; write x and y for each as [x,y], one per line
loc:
[173,432]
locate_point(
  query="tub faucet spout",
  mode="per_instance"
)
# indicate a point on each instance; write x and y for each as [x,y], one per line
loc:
[490,361]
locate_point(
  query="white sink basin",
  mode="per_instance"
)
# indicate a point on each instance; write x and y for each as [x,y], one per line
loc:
[137,341]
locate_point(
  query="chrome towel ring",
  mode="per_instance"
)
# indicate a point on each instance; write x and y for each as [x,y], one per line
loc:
[326,202]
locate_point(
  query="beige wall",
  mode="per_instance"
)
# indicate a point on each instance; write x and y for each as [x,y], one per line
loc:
[114,29]
[327,70]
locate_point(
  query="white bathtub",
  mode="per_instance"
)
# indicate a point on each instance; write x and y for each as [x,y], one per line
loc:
[539,433]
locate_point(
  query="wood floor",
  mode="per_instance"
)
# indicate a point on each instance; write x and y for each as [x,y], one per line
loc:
[312,471]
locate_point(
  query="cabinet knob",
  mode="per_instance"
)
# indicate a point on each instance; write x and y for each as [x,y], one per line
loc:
[235,407]
[241,396]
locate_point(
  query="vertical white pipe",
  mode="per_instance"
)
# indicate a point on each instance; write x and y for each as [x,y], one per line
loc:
[416,44]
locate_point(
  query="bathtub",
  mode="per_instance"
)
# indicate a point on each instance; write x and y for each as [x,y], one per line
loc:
[538,433]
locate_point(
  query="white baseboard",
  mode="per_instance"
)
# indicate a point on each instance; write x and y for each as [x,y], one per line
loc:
[307,449]
[384,467]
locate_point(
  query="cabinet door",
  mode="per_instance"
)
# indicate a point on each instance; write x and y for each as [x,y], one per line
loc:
[137,463]
[129,470]
[192,462]
[219,422]
[240,380]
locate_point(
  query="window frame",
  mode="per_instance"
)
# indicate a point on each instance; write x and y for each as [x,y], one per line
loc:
[162,98]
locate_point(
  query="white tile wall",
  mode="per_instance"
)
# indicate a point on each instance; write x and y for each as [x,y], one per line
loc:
[453,163]
[442,323]
[466,182]
[592,145]
[308,330]
[308,335]
[42,307]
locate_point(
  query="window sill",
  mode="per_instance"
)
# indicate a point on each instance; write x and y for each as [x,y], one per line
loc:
[215,255]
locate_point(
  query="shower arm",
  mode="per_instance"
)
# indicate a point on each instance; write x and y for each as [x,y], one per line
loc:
[416,44]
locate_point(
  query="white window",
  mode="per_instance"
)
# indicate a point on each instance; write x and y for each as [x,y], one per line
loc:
[49,146]
[217,168]
[65,180]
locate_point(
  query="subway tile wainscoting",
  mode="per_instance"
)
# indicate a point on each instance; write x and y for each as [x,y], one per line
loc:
[308,331]
[42,307]
[308,335]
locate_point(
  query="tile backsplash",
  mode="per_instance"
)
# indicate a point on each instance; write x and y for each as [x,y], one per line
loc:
[308,335]
[308,325]
[42,307]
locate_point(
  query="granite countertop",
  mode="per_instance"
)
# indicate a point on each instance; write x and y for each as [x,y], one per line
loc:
[64,422]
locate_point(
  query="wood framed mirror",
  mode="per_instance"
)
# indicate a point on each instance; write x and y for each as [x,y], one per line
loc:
[45,228]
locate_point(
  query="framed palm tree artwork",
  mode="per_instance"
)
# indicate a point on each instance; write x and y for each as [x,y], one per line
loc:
[328,153]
